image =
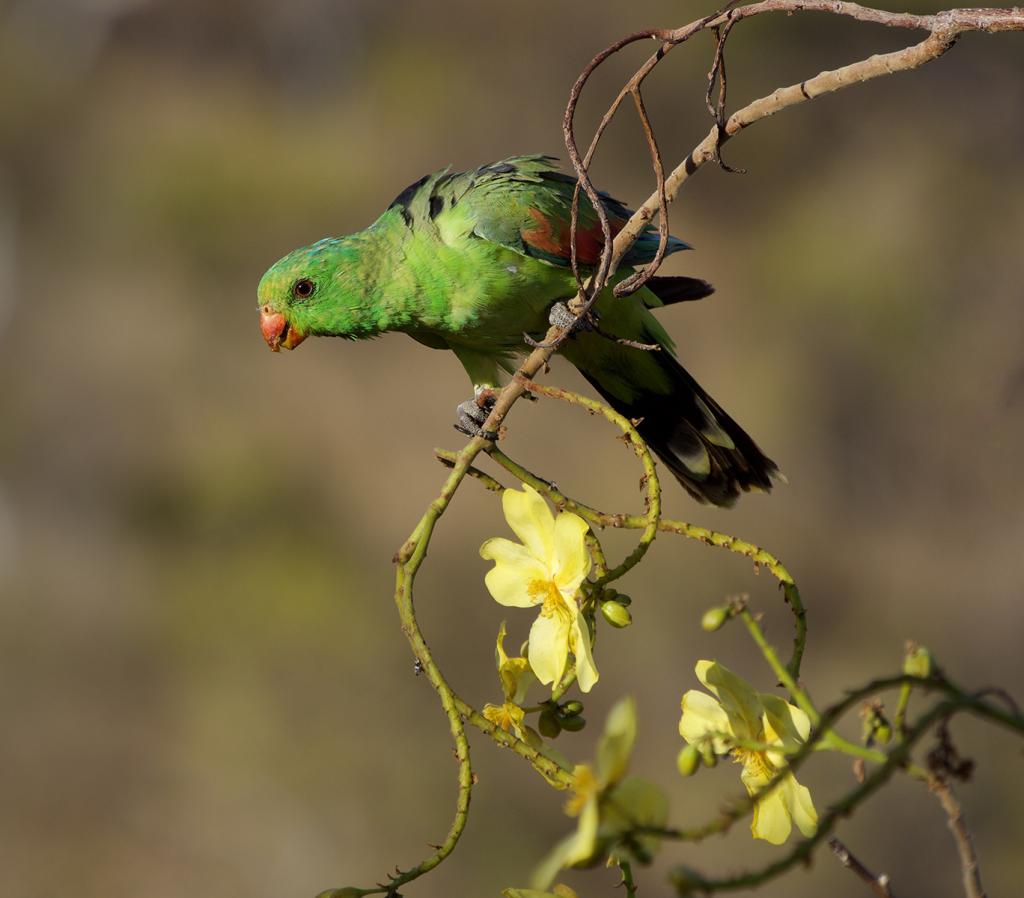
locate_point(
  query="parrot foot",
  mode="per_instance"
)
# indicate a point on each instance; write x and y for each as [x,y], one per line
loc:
[472,414]
[561,316]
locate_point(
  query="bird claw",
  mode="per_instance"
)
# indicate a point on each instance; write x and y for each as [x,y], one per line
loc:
[472,414]
[560,315]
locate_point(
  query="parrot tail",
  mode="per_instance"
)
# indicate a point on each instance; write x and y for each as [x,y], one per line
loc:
[708,452]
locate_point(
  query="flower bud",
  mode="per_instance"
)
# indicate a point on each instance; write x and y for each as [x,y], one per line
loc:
[571,709]
[548,724]
[688,760]
[707,755]
[348,892]
[715,618]
[918,662]
[875,728]
[616,614]
[573,724]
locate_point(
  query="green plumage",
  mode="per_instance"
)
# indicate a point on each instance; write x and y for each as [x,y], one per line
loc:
[470,261]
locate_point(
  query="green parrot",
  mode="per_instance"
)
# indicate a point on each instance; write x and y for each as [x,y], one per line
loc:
[472,261]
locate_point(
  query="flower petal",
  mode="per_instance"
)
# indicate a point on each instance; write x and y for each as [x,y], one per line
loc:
[616,743]
[513,572]
[740,701]
[801,808]
[586,670]
[507,552]
[549,647]
[573,849]
[771,818]
[500,656]
[516,678]
[572,560]
[532,521]
[786,722]
[702,715]
[787,803]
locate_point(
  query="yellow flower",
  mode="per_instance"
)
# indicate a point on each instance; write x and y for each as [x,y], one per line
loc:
[515,676]
[546,569]
[508,716]
[752,716]
[610,807]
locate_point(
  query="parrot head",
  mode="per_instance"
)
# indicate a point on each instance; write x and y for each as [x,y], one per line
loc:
[304,294]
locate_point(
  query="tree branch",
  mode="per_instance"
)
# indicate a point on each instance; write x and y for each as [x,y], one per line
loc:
[878,884]
[944,29]
[943,791]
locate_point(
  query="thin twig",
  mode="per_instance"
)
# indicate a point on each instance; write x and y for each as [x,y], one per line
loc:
[878,884]
[718,73]
[969,868]
[642,275]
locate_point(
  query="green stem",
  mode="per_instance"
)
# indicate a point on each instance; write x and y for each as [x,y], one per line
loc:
[547,767]
[628,883]
[651,484]
[687,881]
[831,739]
[902,702]
[783,673]
[411,557]
[760,557]
[597,555]
[958,699]
[563,687]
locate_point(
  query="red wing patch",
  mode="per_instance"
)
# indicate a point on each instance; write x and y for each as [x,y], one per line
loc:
[551,236]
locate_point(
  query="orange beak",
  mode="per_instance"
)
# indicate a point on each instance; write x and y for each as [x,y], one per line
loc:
[277,331]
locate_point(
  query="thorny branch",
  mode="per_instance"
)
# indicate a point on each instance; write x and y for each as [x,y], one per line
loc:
[969,868]
[878,884]
[823,733]
[943,30]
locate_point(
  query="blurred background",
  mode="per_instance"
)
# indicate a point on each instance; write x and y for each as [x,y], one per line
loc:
[203,684]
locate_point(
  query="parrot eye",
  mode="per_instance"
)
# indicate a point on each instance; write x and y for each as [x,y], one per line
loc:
[303,289]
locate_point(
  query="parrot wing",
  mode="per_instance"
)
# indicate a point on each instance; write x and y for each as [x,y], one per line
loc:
[524,203]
